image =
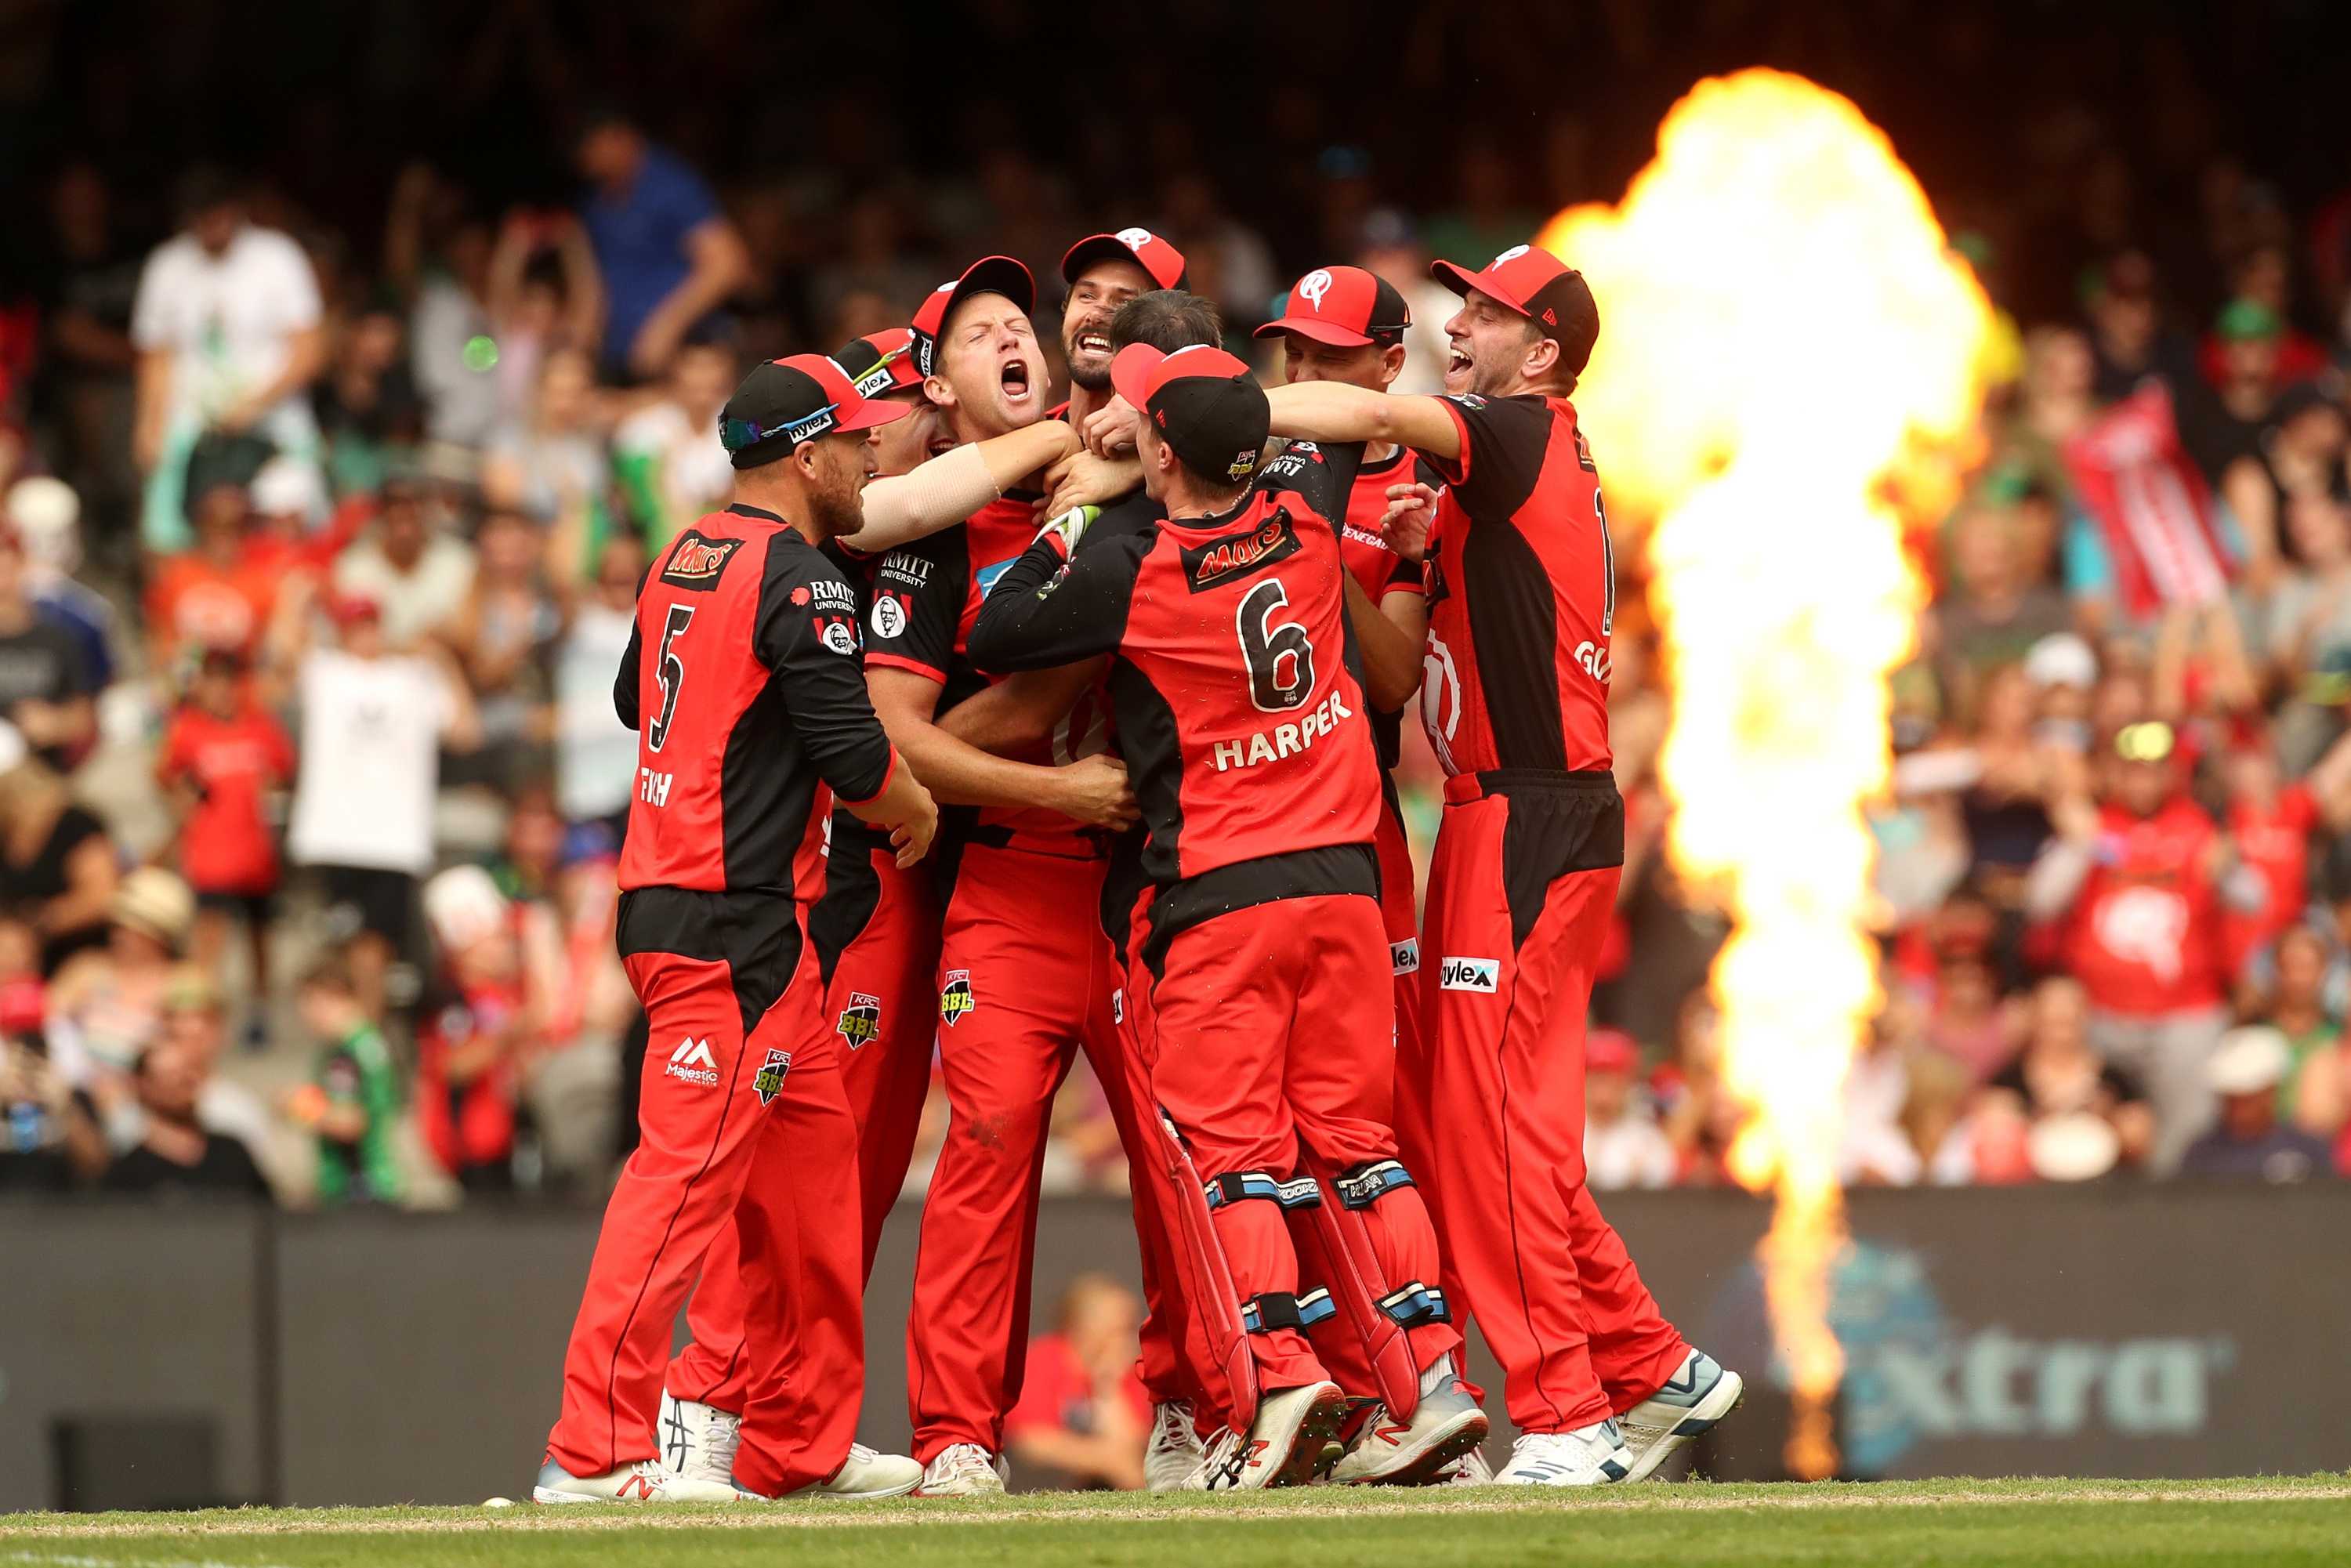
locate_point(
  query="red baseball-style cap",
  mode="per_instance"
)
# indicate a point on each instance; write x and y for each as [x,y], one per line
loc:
[785,402]
[1610,1051]
[1203,401]
[1345,307]
[880,363]
[1139,245]
[1541,287]
[989,275]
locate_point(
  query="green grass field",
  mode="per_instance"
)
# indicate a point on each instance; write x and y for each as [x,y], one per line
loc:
[2270,1519]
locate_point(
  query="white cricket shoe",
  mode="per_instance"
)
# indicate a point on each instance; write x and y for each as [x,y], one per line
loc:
[1471,1470]
[1283,1446]
[867,1475]
[643,1481]
[1588,1456]
[1175,1451]
[699,1441]
[964,1469]
[1445,1425]
[1700,1393]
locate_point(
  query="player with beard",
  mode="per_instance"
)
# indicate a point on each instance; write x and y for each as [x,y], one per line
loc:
[876,932]
[742,678]
[1104,272]
[1025,976]
[1521,594]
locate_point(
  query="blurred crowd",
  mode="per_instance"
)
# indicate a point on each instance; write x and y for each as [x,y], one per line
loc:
[320,532]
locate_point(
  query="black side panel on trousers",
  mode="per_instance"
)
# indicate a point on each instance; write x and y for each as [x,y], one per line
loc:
[756,934]
[1301,874]
[852,892]
[1568,822]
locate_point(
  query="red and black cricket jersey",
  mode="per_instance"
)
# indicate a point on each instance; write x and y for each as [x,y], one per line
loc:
[743,684]
[1521,594]
[1233,683]
[1376,567]
[925,599]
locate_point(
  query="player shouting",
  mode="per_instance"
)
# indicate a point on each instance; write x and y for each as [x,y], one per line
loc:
[1254,764]
[742,679]
[1521,594]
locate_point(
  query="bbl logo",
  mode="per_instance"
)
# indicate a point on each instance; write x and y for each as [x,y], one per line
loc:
[957,999]
[769,1082]
[861,1021]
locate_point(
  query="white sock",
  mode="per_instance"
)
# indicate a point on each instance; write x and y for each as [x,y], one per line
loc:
[1436,1376]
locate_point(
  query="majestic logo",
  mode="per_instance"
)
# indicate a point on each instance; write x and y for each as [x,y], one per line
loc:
[1134,239]
[697,562]
[861,1021]
[692,1062]
[1470,975]
[1236,555]
[889,615]
[1404,956]
[957,999]
[837,634]
[769,1082]
[1314,286]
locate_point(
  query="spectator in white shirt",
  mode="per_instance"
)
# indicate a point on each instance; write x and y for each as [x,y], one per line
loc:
[1623,1145]
[414,572]
[227,328]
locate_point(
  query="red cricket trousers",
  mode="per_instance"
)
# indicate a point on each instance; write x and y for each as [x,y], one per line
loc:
[732,1022]
[1274,1022]
[1519,894]
[876,932]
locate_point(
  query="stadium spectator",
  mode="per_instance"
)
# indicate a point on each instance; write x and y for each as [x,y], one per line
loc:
[92,279]
[372,725]
[352,1102]
[194,1018]
[223,762]
[1623,1145]
[175,1155]
[2249,1142]
[408,566]
[667,454]
[552,464]
[47,516]
[479,1025]
[2058,1081]
[46,688]
[58,866]
[106,1005]
[219,594]
[367,402]
[227,324]
[503,636]
[668,256]
[595,753]
[1082,1412]
[50,1136]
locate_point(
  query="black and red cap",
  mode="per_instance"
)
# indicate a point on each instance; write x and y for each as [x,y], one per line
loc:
[1344,307]
[1541,287]
[880,363]
[1139,245]
[783,402]
[989,275]
[1204,403]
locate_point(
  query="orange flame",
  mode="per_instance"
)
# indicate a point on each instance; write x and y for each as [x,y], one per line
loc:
[1787,360]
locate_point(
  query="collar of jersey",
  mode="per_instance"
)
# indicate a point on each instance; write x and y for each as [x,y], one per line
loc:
[1215,521]
[743,510]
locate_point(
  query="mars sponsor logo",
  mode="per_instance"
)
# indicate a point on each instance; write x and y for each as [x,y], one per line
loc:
[697,562]
[861,1021]
[769,1082]
[1277,741]
[1483,975]
[955,999]
[1237,555]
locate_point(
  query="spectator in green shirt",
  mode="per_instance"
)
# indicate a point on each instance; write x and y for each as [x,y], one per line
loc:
[354,1099]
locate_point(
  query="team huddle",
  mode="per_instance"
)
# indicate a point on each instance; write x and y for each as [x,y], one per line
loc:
[1005,732]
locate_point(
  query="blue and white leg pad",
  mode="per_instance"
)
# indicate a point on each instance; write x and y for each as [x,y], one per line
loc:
[1416,1305]
[1272,1310]
[1237,1186]
[1364,1185]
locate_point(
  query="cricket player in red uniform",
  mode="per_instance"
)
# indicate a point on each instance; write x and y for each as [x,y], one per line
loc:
[1244,724]
[1514,696]
[1347,325]
[876,932]
[742,679]
[1025,976]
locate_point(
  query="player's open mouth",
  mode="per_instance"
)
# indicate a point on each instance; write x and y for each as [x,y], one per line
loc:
[1093,343]
[1016,377]
[1458,363]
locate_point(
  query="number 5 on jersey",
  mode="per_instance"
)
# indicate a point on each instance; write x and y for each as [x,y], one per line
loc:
[670,671]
